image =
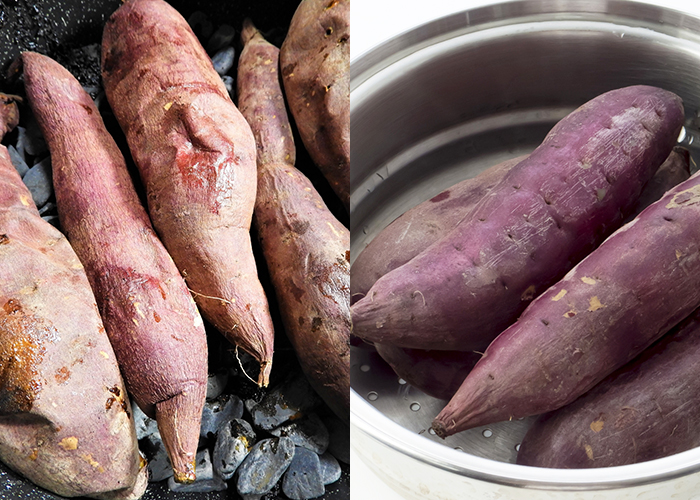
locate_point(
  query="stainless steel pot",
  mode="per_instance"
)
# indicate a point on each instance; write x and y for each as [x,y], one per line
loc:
[439,104]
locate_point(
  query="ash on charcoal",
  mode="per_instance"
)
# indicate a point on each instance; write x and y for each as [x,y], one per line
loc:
[339,445]
[218,412]
[264,466]
[18,161]
[330,468]
[290,401]
[38,181]
[216,383]
[233,443]
[222,37]
[308,432]
[303,479]
[206,480]
[223,60]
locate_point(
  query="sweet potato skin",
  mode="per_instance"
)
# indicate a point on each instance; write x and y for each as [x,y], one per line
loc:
[306,248]
[418,228]
[635,287]
[437,373]
[646,410]
[153,324]
[463,290]
[65,420]
[196,157]
[315,64]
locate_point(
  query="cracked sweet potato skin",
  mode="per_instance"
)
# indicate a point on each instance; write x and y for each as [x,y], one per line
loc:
[531,228]
[65,419]
[196,156]
[646,410]
[642,281]
[315,64]
[306,248]
[418,228]
[153,324]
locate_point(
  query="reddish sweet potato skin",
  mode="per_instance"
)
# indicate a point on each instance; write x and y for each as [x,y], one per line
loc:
[646,410]
[306,248]
[65,421]
[418,228]
[635,287]
[463,290]
[437,373]
[153,324]
[196,157]
[315,63]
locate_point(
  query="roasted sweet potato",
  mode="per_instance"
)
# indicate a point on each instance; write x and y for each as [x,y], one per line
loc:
[306,249]
[315,63]
[635,287]
[421,226]
[152,322]
[196,156]
[437,373]
[65,419]
[646,410]
[547,213]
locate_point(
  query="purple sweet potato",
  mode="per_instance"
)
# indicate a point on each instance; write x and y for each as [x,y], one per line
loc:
[646,410]
[65,420]
[421,226]
[9,113]
[306,249]
[548,213]
[315,64]
[437,373]
[152,322]
[196,156]
[635,287]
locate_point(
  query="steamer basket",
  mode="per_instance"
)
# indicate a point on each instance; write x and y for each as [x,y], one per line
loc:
[439,104]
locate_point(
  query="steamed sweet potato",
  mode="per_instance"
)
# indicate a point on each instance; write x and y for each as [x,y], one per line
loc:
[421,226]
[315,64]
[437,373]
[646,410]
[306,249]
[635,287]
[152,322]
[65,420]
[546,214]
[196,156]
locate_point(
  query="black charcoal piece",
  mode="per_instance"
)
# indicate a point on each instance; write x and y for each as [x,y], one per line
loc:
[206,479]
[222,37]
[339,445]
[233,443]
[303,479]
[264,466]
[18,161]
[218,412]
[290,401]
[330,468]
[38,181]
[223,60]
[308,432]
[216,383]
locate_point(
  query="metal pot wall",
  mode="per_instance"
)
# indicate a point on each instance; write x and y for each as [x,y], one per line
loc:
[440,103]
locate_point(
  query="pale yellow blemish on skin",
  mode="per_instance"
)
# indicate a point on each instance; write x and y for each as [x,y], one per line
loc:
[679,254]
[597,425]
[559,296]
[104,354]
[27,290]
[136,322]
[69,443]
[588,281]
[589,451]
[267,61]
[25,200]
[570,314]
[688,197]
[77,265]
[594,304]
[137,306]
[95,464]
[333,229]
[167,106]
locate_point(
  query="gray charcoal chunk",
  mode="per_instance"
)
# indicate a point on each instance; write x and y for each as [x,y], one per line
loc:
[18,161]
[206,480]
[233,443]
[30,140]
[290,401]
[145,426]
[264,466]
[159,468]
[38,181]
[303,479]
[49,207]
[330,468]
[229,84]
[218,412]
[339,445]
[216,383]
[223,60]
[222,37]
[308,432]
